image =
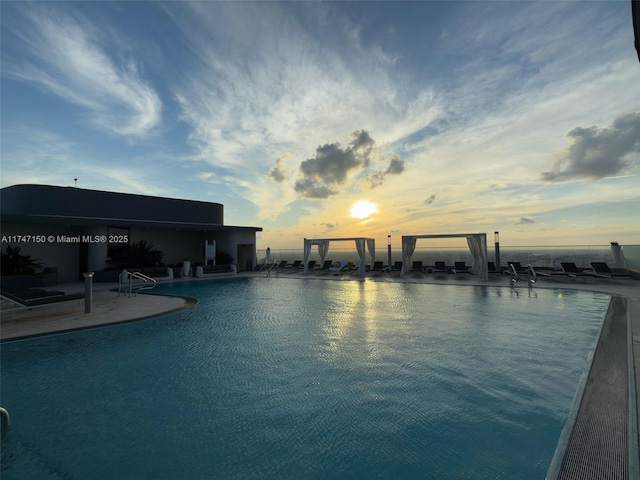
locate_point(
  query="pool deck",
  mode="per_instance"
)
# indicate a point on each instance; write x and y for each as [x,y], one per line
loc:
[109,308]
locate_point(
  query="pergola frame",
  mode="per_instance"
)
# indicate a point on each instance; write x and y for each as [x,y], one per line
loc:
[323,248]
[477,244]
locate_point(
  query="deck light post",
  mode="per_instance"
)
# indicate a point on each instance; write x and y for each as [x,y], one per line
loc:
[496,237]
[389,251]
[88,291]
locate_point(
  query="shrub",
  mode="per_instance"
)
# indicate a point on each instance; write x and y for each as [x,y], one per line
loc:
[15,263]
[135,254]
[223,258]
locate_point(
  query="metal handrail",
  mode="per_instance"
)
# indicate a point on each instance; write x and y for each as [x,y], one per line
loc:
[140,276]
[532,275]
[514,273]
[5,418]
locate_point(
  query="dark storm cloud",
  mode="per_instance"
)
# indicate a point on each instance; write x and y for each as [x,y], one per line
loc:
[524,220]
[332,165]
[597,152]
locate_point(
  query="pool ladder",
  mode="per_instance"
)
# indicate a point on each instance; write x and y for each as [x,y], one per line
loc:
[5,419]
[148,282]
[532,276]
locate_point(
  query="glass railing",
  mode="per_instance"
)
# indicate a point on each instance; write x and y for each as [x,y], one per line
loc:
[537,256]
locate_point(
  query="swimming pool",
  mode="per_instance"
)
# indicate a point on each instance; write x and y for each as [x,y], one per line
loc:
[289,378]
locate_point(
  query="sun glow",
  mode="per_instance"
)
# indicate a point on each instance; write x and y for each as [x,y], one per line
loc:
[363,209]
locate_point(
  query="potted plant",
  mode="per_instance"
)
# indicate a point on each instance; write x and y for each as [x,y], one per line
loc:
[186,268]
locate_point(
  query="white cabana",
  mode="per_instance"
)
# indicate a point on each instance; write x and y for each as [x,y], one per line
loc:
[477,244]
[323,248]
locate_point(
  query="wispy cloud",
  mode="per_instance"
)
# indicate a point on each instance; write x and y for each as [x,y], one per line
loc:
[464,106]
[302,81]
[62,54]
[32,155]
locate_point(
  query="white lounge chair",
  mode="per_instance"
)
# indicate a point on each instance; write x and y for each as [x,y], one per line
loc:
[338,267]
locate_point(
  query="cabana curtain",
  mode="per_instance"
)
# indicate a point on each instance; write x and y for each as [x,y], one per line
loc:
[360,247]
[323,248]
[478,251]
[371,246]
[477,245]
[408,247]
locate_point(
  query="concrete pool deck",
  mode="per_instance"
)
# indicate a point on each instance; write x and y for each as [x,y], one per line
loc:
[108,308]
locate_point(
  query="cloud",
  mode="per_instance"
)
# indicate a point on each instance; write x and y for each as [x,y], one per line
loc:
[332,165]
[320,176]
[63,55]
[308,188]
[524,220]
[597,152]
[396,166]
[373,180]
[329,225]
[278,172]
[430,200]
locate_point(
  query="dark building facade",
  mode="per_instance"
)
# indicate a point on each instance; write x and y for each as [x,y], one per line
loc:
[72,229]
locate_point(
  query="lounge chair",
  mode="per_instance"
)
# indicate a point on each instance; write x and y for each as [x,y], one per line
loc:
[517,266]
[491,267]
[380,267]
[601,269]
[417,267]
[311,265]
[295,265]
[461,267]
[281,266]
[339,267]
[546,272]
[377,266]
[326,266]
[267,267]
[572,270]
[397,266]
[438,267]
[35,297]
[354,267]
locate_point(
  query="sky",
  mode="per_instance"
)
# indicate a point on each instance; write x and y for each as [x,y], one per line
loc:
[430,117]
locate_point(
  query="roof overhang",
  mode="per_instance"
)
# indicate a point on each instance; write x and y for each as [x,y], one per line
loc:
[44,220]
[53,205]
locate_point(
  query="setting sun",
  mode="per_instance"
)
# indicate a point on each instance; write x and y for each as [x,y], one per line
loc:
[363,209]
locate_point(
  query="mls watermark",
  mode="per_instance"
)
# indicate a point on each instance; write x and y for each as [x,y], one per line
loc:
[28,238]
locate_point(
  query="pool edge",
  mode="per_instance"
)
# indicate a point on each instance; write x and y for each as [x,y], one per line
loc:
[571,450]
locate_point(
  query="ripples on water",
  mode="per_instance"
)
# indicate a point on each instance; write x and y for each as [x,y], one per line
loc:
[287,378]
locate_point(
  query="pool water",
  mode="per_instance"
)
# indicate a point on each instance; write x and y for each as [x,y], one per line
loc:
[289,378]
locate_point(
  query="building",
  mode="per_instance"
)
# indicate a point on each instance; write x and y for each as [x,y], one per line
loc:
[73,229]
